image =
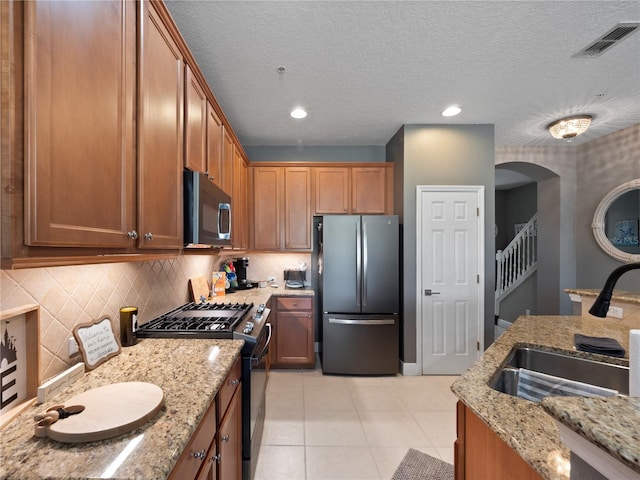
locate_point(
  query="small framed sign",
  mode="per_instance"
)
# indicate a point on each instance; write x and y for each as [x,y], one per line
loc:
[97,342]
[20,360]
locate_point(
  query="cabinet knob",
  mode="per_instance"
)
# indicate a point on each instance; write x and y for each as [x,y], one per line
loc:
[345,209]
[216,458]
[132,234]
[199,455]
[295,304]
[225,438]
[234,382]
[148,236]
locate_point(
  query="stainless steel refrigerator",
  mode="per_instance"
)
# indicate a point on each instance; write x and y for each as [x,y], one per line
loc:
[358,264]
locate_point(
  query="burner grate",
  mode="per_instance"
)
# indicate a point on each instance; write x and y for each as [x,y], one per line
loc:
[207,320]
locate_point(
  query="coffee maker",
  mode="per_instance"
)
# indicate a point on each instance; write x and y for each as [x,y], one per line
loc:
[240,265]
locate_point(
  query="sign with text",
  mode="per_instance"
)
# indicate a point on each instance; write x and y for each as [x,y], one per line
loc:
[96,342]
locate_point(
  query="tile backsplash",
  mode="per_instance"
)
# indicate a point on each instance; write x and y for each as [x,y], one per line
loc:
[78,294]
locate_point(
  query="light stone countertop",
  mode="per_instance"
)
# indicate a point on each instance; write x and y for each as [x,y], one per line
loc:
[618,295]
[261,295]
[525,426]
[189,372]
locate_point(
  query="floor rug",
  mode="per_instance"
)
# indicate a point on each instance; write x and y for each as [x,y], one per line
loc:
[419,466]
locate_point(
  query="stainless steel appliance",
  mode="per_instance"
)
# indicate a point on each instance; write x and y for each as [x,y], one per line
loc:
[227,320]
[207,212]
[357,261]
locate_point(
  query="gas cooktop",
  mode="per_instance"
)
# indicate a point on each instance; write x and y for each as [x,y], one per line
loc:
[197,320]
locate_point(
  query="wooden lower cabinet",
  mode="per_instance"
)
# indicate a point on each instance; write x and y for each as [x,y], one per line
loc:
[480,454]
[292,339]
[215,449]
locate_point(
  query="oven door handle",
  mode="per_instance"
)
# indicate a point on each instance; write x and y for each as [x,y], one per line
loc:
[257,359]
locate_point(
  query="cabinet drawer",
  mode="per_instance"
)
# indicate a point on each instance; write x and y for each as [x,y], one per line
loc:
[294,303]
[229,387]
[194,454]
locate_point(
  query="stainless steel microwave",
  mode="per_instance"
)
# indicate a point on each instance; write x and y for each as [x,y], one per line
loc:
[207,212]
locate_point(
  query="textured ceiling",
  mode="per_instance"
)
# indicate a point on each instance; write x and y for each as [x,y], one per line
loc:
[362,69]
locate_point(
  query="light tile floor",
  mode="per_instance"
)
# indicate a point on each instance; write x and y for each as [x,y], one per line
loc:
[343,427]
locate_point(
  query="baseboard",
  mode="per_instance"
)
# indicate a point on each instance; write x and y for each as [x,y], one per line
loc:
[409,368]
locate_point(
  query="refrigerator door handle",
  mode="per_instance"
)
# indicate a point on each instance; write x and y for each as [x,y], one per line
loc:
[358,264]
[364,263]
[376,321]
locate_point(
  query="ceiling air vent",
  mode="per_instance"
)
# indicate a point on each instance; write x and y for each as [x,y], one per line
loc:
[608,40]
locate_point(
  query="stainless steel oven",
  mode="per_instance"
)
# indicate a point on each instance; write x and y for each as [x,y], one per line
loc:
[232,321]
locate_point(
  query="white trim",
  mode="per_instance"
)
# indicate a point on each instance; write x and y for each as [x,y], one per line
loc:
[479,189]
[603,462]
[409,369]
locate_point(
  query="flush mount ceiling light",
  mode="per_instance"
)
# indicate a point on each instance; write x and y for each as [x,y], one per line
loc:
[570,127]
[451,111]
[298,113]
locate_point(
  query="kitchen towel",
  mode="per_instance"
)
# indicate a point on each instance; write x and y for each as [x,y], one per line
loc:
[535,386]
[634,363]
[601,345]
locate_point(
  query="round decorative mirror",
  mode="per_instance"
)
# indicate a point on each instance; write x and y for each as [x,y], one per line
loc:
[615,223]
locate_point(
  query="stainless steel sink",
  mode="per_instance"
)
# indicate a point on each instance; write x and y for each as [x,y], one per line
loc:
[561,365]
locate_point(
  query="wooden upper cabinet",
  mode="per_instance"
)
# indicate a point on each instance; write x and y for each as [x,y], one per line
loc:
[195,123]
[228,147]
[356,190]
[266,212]
[79,123]
[332,190]
[214,146]
[239,223]
[160,134]
[368,190]
[297,208]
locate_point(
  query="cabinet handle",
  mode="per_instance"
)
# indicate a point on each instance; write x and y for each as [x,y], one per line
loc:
[148,236]
[132,234]
[199,455]
[225,438]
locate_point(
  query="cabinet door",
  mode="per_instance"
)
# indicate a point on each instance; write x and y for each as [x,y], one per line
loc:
[227,161]
[209,470]
[194,458]
[297,208]
[79,130]
[195,118]
[160,135]
[294,338]
[230,440]
[267,195]
[368,190]
[239,225]
[214,146]
[332,190]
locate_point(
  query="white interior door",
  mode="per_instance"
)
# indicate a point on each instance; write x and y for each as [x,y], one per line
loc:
[449,276]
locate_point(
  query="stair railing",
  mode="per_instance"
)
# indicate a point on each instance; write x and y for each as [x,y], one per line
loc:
[517,261]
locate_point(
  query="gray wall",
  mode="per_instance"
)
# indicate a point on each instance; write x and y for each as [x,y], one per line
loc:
[523,298]
[513,206]
[358,153]
[603,164]
[441,155]
[554,168]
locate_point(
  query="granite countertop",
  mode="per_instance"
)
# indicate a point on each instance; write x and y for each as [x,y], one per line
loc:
[525,426]
[189,372]
[618,295]
[261,295]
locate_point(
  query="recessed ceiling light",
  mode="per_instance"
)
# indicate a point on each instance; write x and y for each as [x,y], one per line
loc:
[451,111]
[298,113]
